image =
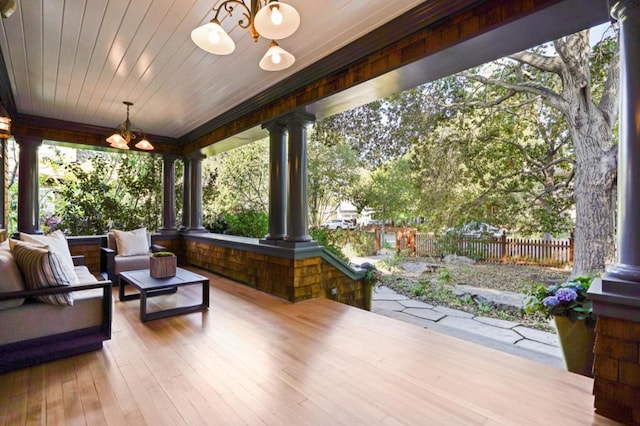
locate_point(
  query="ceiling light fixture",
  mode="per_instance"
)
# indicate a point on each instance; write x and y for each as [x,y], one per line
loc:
[126,132]
[270,19]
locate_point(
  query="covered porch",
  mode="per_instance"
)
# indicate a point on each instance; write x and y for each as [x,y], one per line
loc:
[256,359]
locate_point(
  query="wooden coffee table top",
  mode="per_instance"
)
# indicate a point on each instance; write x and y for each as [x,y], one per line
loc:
[142,279]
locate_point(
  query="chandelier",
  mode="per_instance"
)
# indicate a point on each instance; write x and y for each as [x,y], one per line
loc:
[270,19]
[126,132]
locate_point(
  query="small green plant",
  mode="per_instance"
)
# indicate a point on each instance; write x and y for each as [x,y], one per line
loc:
[444,275]
[162,254]
[484,307]
[418,289]
[391,262]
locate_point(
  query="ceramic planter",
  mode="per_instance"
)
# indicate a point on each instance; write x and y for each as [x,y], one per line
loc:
[576,341]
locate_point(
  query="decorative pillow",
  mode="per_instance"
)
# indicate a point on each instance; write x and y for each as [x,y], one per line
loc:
[57,243]
[10,278]
[42,268]
[132,243]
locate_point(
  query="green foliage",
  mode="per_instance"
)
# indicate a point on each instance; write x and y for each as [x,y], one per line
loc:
[444,275]
[393,261]
[236,180]
[418,289]
[109,191]
[333,168]
[162,254]
[331,240]
[362,242]
[247,223]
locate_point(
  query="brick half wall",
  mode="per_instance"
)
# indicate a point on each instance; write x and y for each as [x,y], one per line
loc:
[277,271]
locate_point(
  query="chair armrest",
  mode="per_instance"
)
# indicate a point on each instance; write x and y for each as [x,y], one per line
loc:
[107,263]
[156,248]
[54,290]
[78,260]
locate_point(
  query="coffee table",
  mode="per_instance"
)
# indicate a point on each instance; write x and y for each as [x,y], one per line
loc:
[148,286]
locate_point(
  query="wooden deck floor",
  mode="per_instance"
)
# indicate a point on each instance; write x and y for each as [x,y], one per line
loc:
[254,359]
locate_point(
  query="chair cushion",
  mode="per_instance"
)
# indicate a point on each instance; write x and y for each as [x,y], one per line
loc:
[10,278]
[131,263]
[57,243]
[42,268]
[131,243]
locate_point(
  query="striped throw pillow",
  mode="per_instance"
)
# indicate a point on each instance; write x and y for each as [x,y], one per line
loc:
[42,268]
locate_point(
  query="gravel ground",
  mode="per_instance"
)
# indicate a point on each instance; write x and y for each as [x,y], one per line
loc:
[515,278]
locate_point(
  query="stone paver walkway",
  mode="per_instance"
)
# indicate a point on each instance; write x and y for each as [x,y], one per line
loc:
[499,334]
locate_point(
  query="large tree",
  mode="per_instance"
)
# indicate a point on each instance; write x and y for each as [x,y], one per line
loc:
[590,111]
[332,171]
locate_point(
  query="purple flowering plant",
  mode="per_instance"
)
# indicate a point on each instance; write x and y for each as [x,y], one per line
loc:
[568,300]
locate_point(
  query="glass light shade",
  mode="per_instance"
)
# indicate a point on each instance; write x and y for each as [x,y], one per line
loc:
[116,139]
[213,38]
[5,127]
[120,145]
[268,26]
[276,58]
[144,144]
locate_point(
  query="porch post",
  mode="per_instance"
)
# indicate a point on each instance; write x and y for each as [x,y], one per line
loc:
[28,186]
[277,182]
[195,224]
[186,195]
[616,297]
[297,218]
[168,194]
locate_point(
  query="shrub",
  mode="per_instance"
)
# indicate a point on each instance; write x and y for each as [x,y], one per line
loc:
[362,242]
[330,240]
[248,223]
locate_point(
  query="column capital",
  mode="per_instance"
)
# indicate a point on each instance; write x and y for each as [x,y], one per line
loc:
[275,126]
[301,117]
[619,8]
[170,157]
[25,141]
[196,155]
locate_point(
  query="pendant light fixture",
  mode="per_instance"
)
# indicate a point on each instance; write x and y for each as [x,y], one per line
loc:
[126,132]
[270,19]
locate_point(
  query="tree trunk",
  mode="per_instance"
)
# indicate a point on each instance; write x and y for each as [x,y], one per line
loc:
[594,194]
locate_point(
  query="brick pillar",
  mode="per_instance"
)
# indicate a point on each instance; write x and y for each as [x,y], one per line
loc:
[616,297]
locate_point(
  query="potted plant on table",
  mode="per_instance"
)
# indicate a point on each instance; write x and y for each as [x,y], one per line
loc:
[163,264]
[574,319]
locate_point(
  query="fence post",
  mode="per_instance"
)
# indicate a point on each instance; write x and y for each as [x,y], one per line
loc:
[376,240]
[503,247]
[412,242]
[571,246]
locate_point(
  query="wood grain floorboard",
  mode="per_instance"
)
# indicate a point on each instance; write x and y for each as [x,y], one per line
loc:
[257,360]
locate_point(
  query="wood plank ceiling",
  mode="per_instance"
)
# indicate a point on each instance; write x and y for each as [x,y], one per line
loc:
[77,60]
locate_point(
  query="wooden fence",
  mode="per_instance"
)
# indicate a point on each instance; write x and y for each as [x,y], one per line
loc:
[495,250]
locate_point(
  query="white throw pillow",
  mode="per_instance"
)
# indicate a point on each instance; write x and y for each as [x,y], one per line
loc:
[132,243]
[57,243]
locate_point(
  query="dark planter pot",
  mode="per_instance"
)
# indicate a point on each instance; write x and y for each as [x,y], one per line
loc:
[576,341]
